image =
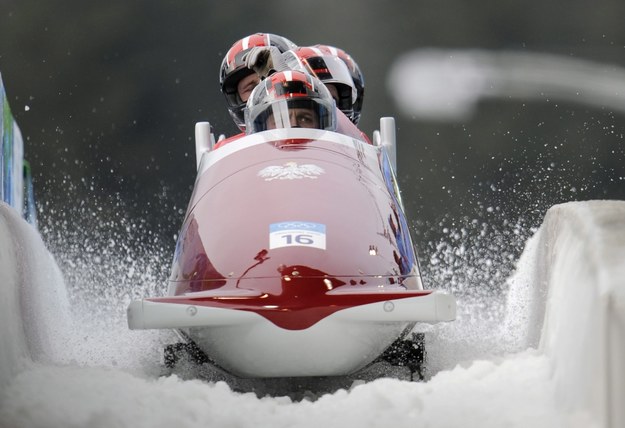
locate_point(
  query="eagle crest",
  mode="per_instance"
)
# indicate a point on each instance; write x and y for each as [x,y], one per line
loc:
[290,171]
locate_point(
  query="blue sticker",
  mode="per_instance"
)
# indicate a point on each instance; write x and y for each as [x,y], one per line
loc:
[297,233]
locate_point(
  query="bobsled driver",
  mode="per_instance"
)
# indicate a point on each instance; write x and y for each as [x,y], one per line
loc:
[290,99]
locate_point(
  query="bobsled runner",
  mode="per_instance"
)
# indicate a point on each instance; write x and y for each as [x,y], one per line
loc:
[294,258]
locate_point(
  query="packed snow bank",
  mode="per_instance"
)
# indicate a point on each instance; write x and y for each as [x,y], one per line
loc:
[34,309]
[582,247]
[567,300]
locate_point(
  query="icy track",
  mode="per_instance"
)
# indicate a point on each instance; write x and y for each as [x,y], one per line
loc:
[565,309]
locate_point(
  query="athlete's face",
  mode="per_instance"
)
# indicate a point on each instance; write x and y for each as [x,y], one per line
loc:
[299,118]
[333,91]
[247,85]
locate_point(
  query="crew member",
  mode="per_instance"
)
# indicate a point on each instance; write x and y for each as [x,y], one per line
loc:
[290,99]
[236,79]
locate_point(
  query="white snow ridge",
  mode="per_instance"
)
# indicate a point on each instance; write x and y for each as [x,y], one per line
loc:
[566,305]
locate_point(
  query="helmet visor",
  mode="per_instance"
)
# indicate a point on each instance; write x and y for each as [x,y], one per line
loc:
[291,113]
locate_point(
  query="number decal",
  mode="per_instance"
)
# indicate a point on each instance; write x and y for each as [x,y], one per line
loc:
[301,239]
[297,233]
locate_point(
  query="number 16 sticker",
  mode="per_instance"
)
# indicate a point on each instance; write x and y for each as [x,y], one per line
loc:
[297,233]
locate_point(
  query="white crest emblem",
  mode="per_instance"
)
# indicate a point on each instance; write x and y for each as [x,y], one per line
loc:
[290,171]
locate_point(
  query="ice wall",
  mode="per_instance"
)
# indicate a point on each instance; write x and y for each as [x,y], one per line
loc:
[34,306]
[576,264]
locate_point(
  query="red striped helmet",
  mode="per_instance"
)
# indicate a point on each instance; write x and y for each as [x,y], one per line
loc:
[233,69]
[290,99]
[357,77]
[328,68]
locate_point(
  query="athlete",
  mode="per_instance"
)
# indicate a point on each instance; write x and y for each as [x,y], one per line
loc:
[290,99]
[357,77]
[236,79]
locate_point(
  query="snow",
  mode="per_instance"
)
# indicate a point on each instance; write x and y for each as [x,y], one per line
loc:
[562,364]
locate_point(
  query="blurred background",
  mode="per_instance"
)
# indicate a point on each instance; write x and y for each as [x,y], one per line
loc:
[107,95]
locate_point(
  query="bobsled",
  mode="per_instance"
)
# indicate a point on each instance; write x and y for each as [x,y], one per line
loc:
[294,258]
